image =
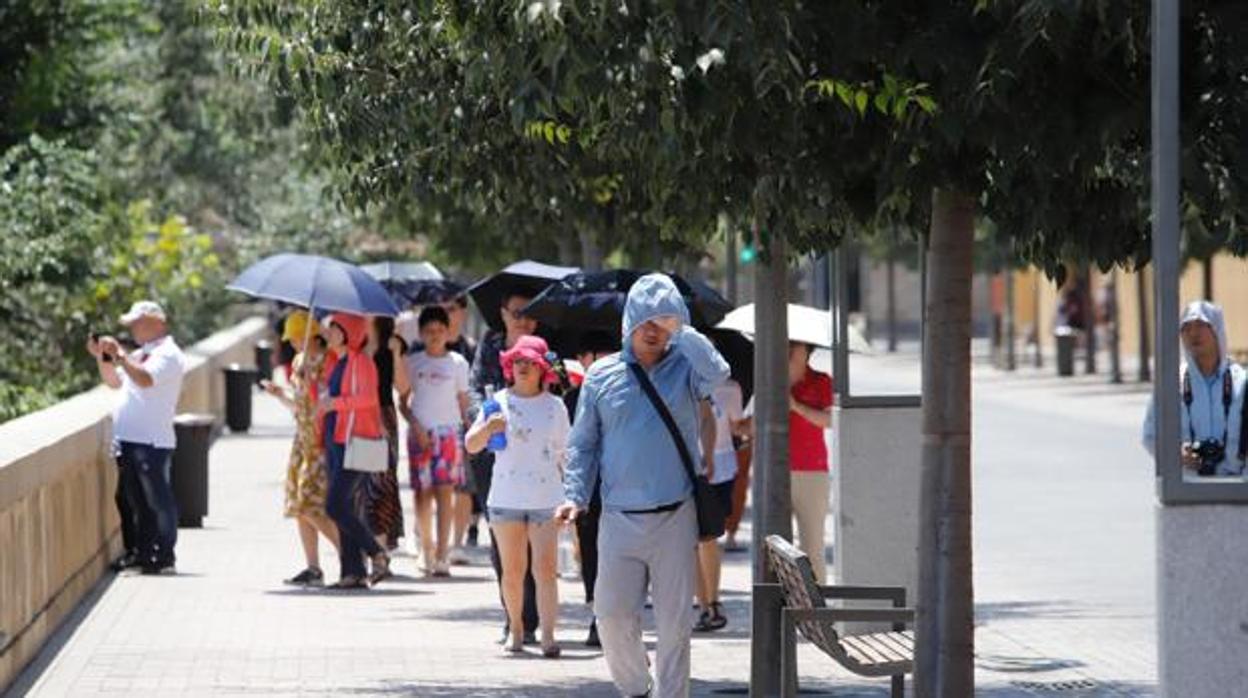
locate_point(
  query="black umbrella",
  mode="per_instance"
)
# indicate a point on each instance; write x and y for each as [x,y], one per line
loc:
[527,278]
[414,283]
[595,301]
[738,351]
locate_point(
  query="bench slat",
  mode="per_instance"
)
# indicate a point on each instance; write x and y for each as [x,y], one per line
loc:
[886,648]
[864,651]
[899,642]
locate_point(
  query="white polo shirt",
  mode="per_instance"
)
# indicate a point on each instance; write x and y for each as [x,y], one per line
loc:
[145,415]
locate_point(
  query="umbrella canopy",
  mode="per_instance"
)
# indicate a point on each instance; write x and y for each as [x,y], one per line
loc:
[414,283]
[595,301]
[806,324]
[315,282]
[527,278]
[738,351]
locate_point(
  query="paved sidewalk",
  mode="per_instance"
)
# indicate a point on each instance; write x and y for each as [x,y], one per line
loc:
[1050,611]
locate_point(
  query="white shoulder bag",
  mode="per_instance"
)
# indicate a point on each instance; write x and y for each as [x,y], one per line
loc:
[363,454]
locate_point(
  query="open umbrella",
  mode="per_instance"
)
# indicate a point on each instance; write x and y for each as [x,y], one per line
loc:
[738,351]
[806,324]
[414,283]
[595,301]
[318,283]
[527,278]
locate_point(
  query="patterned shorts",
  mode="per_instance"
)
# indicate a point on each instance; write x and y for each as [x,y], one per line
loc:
[442,464]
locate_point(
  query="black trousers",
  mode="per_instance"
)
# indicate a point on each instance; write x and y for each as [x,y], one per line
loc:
[483,464]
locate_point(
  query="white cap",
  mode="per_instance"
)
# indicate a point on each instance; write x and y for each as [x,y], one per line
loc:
[143,309]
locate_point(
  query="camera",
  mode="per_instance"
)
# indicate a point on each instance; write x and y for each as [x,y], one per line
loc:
[1210,452]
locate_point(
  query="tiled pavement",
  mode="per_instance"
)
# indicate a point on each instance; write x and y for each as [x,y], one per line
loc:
[1064,589]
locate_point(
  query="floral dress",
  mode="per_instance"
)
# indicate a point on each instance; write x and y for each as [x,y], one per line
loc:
[306,476]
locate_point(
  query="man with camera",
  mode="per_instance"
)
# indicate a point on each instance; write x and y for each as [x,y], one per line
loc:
[150,380]
[1212,413]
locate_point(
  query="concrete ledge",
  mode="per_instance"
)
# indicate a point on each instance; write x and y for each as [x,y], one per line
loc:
[58,524]
[1202,598]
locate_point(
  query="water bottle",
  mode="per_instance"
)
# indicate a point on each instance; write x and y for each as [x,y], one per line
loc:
[497,441]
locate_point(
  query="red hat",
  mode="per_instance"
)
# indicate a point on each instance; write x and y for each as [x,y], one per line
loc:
[533,349]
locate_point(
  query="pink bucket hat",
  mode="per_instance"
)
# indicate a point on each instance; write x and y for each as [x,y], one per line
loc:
[533,349]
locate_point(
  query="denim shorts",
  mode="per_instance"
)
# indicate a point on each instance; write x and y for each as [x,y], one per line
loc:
[533,516]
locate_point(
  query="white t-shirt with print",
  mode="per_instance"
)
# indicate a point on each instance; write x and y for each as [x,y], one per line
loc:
[726,404]
[528,474]
[436,385]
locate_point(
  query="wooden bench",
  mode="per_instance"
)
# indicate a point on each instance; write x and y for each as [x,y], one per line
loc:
[805,609]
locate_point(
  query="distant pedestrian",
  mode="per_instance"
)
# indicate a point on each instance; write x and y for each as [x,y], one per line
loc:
[380,493]
[649,531]
[351,409]
[722,475]
[487,375]
[1213,385]
[150,381]
[435,411]
[594,347]
[307,476]
[527,485]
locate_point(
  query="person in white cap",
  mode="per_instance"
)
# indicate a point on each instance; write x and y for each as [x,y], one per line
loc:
[1211,416]
[150,380]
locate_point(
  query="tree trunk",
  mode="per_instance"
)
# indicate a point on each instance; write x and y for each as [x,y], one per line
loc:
[1089,319]
[945,628]
[1011,359]
[1113,326]
[1039,326]
[1208,278]
[771,448]
[892,295]
[731,262]
[591,251]
[566,245]
[1145,372]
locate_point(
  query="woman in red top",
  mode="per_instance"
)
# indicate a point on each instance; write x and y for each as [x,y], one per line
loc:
[352,405]
[810,414]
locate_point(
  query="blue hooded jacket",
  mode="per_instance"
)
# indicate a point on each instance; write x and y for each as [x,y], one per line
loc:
[617,435]
[1207,417]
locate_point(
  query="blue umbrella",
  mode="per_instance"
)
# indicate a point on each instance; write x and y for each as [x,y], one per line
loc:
[414,283]
[315,282]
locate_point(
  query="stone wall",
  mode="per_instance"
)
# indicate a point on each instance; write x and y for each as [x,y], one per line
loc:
[58,524]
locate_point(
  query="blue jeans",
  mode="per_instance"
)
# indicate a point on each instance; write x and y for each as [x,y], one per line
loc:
[145,486]
[355,538]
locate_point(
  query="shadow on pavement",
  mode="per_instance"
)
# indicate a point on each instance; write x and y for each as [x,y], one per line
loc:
[985,613]
[345,593]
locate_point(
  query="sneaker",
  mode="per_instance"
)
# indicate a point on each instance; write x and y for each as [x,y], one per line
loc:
[125,562]
[441,569]
[311,577]
[457,556]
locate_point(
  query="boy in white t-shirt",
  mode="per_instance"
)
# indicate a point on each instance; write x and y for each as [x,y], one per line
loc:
[527,484]
[435,409]
[722,474]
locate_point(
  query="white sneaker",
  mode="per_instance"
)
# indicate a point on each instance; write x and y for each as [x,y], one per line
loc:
[458,556]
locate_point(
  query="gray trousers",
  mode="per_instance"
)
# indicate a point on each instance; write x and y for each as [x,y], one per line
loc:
[633,550]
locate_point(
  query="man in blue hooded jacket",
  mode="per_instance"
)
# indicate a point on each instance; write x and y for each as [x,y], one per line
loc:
[1213,396]
[649,532]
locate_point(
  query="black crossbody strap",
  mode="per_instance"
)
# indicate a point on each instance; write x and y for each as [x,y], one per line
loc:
[661,408]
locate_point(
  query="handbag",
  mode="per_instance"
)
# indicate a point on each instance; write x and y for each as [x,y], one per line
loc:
[711,515]
[363,454]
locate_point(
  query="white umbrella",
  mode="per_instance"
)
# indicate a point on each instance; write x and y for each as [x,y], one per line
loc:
[806,324]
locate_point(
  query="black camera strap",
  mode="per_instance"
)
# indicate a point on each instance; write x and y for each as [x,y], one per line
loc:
[1228,396]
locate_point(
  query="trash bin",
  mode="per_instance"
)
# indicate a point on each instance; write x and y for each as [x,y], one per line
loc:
[190,467]
[1065,337]
[238,384]
[264,360]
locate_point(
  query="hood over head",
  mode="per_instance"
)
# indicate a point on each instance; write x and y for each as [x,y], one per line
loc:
[652,296]
[355,326]
[1210,314]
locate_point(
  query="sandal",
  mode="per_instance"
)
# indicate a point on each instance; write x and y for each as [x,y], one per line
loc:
[350,583]
[381,568]
[552,651]
[718,619]
[704,623]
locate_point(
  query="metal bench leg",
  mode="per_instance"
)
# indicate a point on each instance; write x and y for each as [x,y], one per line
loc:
[899,686]
[788,656]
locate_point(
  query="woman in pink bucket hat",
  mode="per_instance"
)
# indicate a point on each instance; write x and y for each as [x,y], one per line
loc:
[528,483]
